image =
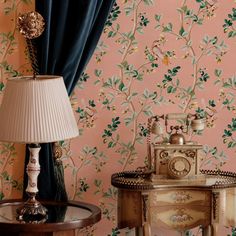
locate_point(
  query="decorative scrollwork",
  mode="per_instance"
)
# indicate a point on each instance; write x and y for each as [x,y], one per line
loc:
[145,202]
[189,153]
[215,204]
[180,217]
[180,196]
[163,154]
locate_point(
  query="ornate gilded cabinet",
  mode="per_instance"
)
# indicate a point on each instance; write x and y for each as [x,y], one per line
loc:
[143,203]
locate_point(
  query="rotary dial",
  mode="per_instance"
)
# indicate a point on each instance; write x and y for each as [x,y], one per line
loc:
[179,167]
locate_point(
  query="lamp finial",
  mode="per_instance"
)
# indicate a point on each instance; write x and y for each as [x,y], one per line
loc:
[31,24]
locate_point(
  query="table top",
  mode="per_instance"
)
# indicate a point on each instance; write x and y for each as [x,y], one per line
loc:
[61,216]
[138,180]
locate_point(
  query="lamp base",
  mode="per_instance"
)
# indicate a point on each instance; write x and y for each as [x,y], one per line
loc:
[32,212]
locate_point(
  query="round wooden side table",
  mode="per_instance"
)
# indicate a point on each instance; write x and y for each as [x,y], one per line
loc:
[63,218]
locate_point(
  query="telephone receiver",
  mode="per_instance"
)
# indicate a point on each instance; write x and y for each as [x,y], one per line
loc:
[186,121]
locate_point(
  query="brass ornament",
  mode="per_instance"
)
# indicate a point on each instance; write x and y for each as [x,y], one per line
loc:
[57,151]
[177,138]
[31,24]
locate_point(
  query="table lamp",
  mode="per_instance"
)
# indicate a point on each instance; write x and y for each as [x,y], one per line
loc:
[35,110]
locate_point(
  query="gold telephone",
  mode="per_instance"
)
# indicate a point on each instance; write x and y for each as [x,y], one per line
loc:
[174,157]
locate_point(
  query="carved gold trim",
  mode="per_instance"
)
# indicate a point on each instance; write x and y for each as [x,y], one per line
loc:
[145,207]
[215,205]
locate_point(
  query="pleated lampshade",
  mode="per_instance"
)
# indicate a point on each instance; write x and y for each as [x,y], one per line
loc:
[36,111]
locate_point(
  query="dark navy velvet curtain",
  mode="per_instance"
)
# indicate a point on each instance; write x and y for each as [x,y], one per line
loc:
[73,28]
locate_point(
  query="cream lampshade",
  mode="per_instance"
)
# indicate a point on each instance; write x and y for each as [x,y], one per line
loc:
[35,110]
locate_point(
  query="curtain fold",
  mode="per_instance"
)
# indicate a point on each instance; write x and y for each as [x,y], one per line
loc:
[73,29]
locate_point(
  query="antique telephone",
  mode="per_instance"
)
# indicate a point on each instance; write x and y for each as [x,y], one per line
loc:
[174,157]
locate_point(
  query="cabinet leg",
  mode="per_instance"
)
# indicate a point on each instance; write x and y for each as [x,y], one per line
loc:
[143,231]
[207,230]
[129,232]
[147,229]
[215,229]
[138,231]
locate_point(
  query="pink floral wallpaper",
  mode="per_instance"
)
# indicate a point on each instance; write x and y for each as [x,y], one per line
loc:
[13,62]
[154,57]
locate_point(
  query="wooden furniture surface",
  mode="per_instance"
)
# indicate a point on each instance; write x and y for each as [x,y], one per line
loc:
[178,205]
[63,219]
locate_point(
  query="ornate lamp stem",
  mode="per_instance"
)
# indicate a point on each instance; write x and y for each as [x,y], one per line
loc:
[32,210]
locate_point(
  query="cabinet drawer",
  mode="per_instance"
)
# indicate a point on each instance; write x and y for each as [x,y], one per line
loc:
[180,196]
[180,218]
